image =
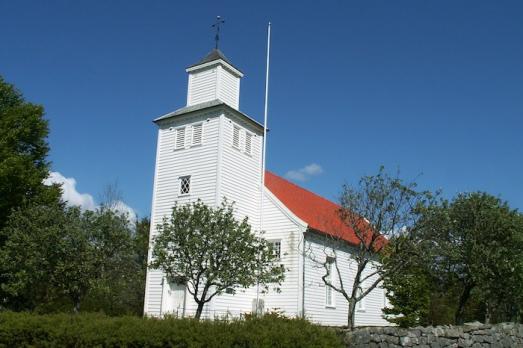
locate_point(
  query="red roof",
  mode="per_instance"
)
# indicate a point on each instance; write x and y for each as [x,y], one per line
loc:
[319,213]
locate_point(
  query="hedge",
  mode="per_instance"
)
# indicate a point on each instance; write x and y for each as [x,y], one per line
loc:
[97,330]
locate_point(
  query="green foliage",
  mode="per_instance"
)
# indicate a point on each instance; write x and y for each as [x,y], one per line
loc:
[94,330]
[210,251]
[57,256]
[470,255]
[409,297]
[23,151]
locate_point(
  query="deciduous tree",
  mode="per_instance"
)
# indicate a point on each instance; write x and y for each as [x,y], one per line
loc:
[209,250]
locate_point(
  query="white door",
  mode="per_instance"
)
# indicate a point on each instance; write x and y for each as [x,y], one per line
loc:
[174,300]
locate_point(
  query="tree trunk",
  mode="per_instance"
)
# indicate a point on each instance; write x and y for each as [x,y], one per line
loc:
[487,313]
[463,299]
[76,305]
[351,316]
[199,310]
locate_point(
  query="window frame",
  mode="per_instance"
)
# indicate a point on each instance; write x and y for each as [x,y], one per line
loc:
[329,291]
[176,137]
[180,187]
[250,136]
[360,305]
[193,127]
[273,242]
[234,128]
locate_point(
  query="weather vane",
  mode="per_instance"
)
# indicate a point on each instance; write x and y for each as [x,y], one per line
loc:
[216,25]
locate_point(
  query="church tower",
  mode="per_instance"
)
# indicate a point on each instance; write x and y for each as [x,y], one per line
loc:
[207,150]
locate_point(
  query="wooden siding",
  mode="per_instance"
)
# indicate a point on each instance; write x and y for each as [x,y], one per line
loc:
[200,163]
[202,86]
[228,88]
[315,290]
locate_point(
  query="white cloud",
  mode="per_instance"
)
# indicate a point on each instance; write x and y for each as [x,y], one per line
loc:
[69,192]
[86,201]
[123,208]
[305,173]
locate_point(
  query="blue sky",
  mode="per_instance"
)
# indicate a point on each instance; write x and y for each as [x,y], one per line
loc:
[429,87]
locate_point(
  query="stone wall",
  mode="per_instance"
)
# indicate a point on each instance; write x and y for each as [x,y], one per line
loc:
[475,335]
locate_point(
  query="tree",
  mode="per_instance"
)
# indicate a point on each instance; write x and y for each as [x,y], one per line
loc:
[378,210]
[23,152]
[55,253]
[207,249]
[474,244]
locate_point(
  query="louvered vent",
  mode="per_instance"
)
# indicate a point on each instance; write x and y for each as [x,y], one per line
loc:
[197,134]
[248,143]
[180,138]
[236,137]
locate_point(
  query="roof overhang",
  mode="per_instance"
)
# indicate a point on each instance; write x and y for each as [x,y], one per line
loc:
[215,104]
[194,68]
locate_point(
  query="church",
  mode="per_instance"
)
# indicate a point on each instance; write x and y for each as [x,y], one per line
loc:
[210,150]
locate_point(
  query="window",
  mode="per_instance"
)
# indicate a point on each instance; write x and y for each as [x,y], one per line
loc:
[360,305]
[185,185]
[276,249]
[236,137]
[329,292]
[197,134]
[179,142]
[248,143]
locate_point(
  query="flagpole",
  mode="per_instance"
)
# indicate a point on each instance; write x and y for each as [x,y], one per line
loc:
[265,116]
[264,149]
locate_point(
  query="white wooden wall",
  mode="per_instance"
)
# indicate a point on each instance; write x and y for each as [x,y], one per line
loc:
[200,162]
[213,82]
[315,291]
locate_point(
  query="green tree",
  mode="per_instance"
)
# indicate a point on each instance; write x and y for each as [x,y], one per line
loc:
[54,254]
[23,151]
[470,251]
[207,249]
[377,210]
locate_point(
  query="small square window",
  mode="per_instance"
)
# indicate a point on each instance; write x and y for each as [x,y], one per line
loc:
[276,249]
[185,185]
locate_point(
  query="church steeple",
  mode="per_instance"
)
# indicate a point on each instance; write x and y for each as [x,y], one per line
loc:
[214,77]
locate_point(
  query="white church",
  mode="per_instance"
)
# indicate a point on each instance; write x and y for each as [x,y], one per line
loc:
[209,150]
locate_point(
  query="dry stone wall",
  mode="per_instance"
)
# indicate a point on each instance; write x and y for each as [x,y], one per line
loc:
[475,335]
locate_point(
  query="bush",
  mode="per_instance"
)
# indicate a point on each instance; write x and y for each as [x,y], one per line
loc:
[97,330]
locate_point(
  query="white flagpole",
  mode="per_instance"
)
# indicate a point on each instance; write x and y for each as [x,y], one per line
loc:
[264,149]
[265,119]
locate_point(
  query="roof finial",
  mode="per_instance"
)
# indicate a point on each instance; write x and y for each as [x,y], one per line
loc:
[216,25]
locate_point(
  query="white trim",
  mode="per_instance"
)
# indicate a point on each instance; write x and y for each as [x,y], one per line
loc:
[215,62]
[152,227]
[221,136]
[299,222]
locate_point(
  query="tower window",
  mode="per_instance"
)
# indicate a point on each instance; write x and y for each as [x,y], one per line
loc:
[179,142]
[185,185]
[248,143]
[236,137]
[197,131]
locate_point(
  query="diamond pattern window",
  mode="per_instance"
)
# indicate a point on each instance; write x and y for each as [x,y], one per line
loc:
[185,185]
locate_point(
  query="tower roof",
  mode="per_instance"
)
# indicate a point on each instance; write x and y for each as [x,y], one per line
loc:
[215,54]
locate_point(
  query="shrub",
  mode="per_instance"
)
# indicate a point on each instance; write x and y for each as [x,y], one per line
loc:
[97,330]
